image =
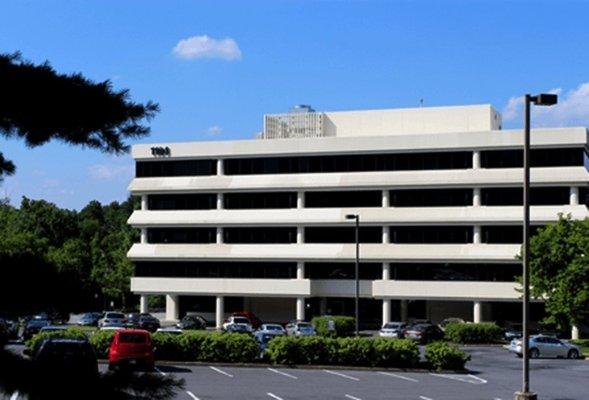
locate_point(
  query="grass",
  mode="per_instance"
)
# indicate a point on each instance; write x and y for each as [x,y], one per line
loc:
[584,344]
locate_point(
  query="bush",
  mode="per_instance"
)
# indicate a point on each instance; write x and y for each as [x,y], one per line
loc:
[400,353]
[284,350]
[486,332]
[184,347]
[441,355]
[72,333]
[344,325]
[101,341]
[353,351]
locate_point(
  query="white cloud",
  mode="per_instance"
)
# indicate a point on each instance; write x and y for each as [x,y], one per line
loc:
[572,109]
[214,130]
[203,46]
[106,172]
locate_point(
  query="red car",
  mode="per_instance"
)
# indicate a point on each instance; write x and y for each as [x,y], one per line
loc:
[255,321]
[131,347]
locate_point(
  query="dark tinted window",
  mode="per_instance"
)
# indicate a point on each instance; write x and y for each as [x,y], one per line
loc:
[455,272]
[369,271]
[175,168]
[539,158]
[202,201]
[583,196]
[132,338]
[431,234]
[368,234]
[261,270]
[181,235]
[505,234]
[371,198]
[260,200]
[431,198]
[514,196]
[260,235]
[348,163]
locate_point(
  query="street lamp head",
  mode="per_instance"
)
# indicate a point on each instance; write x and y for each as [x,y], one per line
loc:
[351,216]
[544,99]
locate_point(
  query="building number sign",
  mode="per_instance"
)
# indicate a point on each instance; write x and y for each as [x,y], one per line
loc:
[161,151]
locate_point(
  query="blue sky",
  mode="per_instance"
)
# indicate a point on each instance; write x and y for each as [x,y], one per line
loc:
[256,57]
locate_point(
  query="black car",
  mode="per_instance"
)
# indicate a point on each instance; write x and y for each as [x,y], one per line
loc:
[192,322]
[33,327]
[424,333]
[143,321]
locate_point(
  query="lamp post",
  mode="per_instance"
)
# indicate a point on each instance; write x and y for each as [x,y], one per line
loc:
[356,217]
[539,100]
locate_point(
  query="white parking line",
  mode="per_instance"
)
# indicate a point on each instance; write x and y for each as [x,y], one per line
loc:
[192,395]
[282,373]
[14,395]
[475,380]
[162,373]
[221,372]
[349,396]
[274,396]
[425,398]
[398,376]
[342,375]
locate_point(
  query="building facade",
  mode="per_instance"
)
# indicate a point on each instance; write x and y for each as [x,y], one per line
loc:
[260,225]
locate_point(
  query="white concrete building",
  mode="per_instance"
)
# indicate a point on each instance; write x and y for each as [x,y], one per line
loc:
[259,224]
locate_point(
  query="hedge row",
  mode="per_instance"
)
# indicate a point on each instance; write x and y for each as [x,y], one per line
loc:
[486,332]
[343,325]
[443,356]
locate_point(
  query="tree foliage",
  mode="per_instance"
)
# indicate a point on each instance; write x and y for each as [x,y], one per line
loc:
[38,104]
[559,271]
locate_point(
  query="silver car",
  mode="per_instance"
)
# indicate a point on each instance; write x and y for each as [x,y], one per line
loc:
[546,346]
[299,328]
[112,318]
[392,329]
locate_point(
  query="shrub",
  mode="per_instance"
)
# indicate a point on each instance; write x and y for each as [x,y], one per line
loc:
[344,325]
[284,350]
[395,353]
[352,351]
[441,355]
[101,341]
[486,332]
[228,347]
[72,333]
[168,347]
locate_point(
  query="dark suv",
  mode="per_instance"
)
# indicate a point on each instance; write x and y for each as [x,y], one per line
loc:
[143,321]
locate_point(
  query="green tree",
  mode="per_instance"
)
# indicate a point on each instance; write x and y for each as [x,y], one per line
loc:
[559,271]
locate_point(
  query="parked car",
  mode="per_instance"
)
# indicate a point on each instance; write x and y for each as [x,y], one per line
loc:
[9,327]
[143,321]
[71,360]
[423,333]
[448,321]
[170,330]
[52,328]
[33,327]
[300,328]
[192,322]
[392,329]
[90,319]
[237,320]
[237,328]
[272,329]
[546,346]
[112,318]
[254,320]
[513,331]
[113,327]
[131,347]
[263,338]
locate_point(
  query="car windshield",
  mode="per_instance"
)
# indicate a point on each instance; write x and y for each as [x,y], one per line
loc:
[305,325]
[392,326]
[273,327]
[241,320]
[132,338]
[114,315]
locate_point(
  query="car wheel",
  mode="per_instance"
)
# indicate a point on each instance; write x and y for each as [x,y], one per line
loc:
[519,355]
[534,353]
[573,354]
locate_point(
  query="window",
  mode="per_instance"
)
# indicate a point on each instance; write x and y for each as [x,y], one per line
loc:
[498,234]
[513,196]
[431,198]
[431,234]
[456,272]
[343,199]
[584,195]
[539,158]
[368,271]
[181,235]
[260,235]
[259,270]
[145,169]
[204,201]
[321,234]
[348,163]
[260,200]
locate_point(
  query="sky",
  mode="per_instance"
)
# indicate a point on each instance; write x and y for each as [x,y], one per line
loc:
[216,67]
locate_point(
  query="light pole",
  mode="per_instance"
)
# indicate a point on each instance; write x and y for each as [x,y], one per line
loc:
[356,217]
[539,100]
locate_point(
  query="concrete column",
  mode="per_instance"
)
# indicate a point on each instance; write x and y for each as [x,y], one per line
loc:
[386,271]
[219,201]
[300,270]
[386,234]
[143,235]
[477,312]
[575,333]
[300,234]
[143,308]
[476,234]
[386,311]
[323,306]
[300,199]
[143,202]
[476,159]
[386,202]
[219,311]
[476,197]
[172,311]
[574,196]
[220,169]
[404,310]
[219,238]
[300,308]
